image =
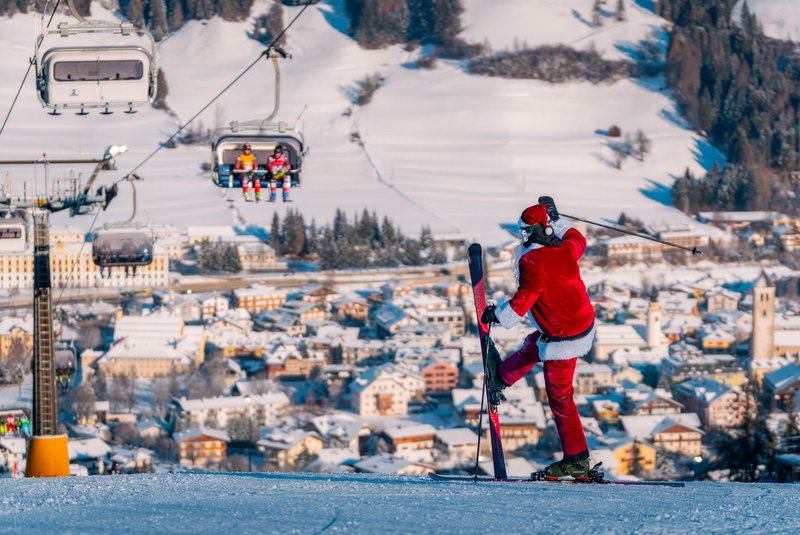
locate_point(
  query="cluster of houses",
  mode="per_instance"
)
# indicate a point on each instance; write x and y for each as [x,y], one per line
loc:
[768,231]
[388,378]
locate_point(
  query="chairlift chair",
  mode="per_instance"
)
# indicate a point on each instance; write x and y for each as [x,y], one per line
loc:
[228,145]
[123,244]
[13,231]
[65,358]
[263,135]
[122,247]
[106,76]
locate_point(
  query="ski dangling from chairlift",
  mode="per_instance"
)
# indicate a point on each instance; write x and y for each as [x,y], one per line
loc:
[123,245]
[95,76]
[263,136]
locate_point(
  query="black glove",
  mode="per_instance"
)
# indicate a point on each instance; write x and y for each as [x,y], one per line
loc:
[550,204]
[488,315]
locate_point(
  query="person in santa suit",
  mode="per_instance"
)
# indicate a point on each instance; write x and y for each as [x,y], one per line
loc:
[553,296]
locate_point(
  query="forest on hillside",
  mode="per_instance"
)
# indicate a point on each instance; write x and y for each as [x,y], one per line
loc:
[742,90]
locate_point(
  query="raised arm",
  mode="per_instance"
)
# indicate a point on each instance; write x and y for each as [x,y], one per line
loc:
[530,288]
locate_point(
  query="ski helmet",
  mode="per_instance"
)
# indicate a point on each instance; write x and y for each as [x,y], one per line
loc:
[533,227]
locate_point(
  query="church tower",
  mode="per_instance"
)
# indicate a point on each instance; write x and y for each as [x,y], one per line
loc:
[762,345]
[655,337]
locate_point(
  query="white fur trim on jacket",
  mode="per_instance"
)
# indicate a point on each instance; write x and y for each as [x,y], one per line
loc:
[568,349]
[560,227]
[507,316]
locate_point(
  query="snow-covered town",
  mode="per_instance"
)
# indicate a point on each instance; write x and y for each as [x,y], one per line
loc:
[399,266]
[385,376]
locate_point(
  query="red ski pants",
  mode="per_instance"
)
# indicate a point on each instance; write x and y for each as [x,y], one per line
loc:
[558,377]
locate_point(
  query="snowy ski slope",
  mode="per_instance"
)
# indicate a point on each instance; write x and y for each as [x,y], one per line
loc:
[360,503]
[461,153]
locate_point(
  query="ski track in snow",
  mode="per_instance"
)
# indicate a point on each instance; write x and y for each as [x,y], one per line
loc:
[360,503]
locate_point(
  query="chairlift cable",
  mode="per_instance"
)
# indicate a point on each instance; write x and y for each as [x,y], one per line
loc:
[162,145]
[204,108]
[27,72]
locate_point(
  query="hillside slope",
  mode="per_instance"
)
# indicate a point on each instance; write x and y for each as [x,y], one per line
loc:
[458,152]
[313,503]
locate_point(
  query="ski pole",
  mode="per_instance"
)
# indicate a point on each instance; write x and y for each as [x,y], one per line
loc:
[693,250]
[483,396]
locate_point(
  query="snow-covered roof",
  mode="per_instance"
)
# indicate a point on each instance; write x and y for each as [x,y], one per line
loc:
[641,427]
[607,334]
[8,323]
[88,448]
[227,402]
[16,445]
[786,338]
[783,378]
[284,439]
[158,328]
[708,390]
[200,431]
[460,436]
[410,431]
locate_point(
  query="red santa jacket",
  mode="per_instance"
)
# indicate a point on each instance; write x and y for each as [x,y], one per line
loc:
[551,289]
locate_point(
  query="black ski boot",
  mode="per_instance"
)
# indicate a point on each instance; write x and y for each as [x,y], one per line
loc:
[494,379]
[575,466]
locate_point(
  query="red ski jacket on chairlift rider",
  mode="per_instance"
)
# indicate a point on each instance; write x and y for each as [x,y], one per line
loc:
[552,293]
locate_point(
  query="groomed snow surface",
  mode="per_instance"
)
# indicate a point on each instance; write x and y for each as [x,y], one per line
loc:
[315,503]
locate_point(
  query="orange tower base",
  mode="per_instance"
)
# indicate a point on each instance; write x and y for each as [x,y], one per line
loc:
[47,457]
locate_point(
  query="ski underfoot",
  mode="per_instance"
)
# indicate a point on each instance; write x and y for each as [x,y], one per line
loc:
[490,479]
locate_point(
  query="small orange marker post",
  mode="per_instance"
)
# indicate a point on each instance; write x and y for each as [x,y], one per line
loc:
[47,457]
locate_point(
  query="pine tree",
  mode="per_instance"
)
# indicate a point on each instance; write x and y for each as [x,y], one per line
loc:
[275,234]
[446,19]
[312,243]
[157,19]
[619,14]
[426,238]
[642,145]
[176,17]
[328,254]
[597,15]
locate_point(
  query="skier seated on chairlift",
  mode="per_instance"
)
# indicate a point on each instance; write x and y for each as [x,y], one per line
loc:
[551,293]
[246,164]
[279,168]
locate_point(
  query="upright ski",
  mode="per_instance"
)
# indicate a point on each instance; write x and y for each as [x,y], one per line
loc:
[479,293]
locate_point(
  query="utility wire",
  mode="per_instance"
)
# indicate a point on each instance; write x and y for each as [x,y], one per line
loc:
[204,108]
[28,71]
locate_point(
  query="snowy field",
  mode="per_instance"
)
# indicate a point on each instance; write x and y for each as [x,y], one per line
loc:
[312,503]
[460,153]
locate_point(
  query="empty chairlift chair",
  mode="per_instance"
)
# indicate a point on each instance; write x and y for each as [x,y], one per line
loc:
[120,74]
[12,235]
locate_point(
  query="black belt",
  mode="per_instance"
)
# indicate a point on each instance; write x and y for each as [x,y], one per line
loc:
[546,338]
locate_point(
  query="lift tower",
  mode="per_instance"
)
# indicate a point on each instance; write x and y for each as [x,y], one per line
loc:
[47,450]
